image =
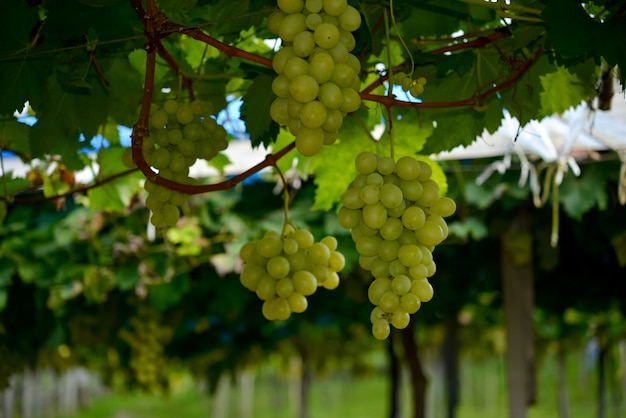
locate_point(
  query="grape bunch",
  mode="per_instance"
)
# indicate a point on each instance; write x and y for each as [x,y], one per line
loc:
[408,84]
[284,270]
[318,78]
[395,215]
[179,134]
[146,338]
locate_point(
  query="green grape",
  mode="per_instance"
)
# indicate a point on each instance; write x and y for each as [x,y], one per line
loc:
[174,136]
[375,179]
[339,53]
[335,7]
[192,131]
[313,114]
[274,19]
[444,207]
[278,267]
[386,166]
[331,95]
[297,302]
[304,282]
[304,238]
[369,194]
[280,86]
[291,25]
[330,242]
[422,289]
[401,285]
[187,148]
[416,90]
[396,268]
[160,158]
[431,269]
[430,194]
[388,250]
[351,100]
[430,234]
[348,40]
[279,111]
[158,119]
[350,19]
[349,218]
[161,194]
[368,245]
[409,255]
[366,162]
[337,261]
[294,67]
[269,246]
[309,141]
[400,318]
[170,107]
[411,190]
[266,287]
[281,58]
[313,20]
[407,168]
[391,230]
[319,253]
[410,303]
[321,67]
[381,329]
[426,171]
[304,88]
[184,114]
[298,261]
[284,287]
[389,301]
[375,215]
[343,75]
[380,269]
[326,35]
[294,108]
[391,195]
[251,275]
[177,162]
[291,6]
[377,289]
[304,44]
[332,282]
[334,120]
[413,218]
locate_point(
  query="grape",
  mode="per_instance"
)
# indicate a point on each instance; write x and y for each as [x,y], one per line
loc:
[395,217]
[291,6]
[303,44]
[321,67]
[313,114]
[335,7]
[304,88]
[381,329]
[297,302]
[326,35]
[309,141]
[331,95]
[291,25]
[350,19]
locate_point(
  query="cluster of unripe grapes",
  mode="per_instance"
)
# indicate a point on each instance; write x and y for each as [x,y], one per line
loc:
[284,269]
[179,134]
[146,338]
[318,78]
[395,215]
[414,87]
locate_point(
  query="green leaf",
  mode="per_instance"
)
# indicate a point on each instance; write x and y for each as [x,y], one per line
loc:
[117,194]
[579,194]
[255,111]
[220,161]
[12,185]
[22,78]
[470,227]
[166,295]
[562,90]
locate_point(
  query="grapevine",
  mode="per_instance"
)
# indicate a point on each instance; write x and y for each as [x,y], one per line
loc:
[395,215]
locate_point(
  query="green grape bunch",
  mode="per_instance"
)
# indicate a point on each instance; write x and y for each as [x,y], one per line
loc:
[395,215]
[284,269]
[317,80]
[147,338]
[180,133]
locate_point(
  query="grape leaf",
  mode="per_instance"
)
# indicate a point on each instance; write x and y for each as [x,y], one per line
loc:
[66,116]
[22,78]
[14,137]
[579,194]
[561,91]
[117,194]
[334,166]
[255,111]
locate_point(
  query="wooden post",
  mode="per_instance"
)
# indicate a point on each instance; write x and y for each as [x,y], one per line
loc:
[518,288]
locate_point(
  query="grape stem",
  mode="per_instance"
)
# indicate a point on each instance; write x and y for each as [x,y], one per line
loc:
[286,199]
